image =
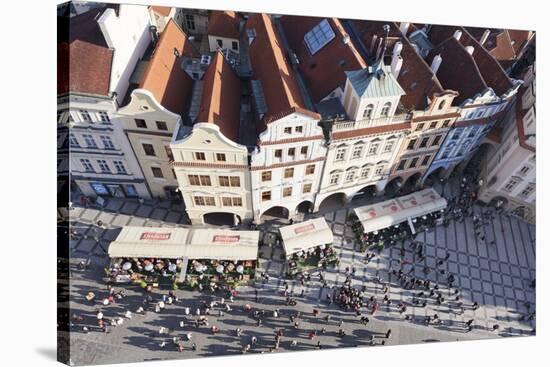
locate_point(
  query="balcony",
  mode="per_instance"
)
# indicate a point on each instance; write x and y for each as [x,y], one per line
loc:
[367,123]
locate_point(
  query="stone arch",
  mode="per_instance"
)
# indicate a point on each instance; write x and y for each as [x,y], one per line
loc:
[336,200]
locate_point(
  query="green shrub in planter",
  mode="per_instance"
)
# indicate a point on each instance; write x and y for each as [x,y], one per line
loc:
[142,283]
[175,286]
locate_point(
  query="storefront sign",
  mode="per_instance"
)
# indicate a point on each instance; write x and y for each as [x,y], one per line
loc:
[226,239]
[154,236]
[305,228]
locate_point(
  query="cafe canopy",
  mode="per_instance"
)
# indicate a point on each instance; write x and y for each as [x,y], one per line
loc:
[395,211]
[173,243]
[305,235]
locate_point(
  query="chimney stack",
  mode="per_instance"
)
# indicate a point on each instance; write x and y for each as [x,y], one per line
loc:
[404,27]
[484,37]
[436,63]
[345,39]
[457,34]
[470,49]
[396,64]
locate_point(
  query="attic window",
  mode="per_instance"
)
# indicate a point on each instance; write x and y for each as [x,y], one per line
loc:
[441,105]
[342,62]
[176,52]
[413,85]
[313,65]
[319,36]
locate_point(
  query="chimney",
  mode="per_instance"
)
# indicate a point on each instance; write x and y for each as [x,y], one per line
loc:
[404,27]
[345,39]
[436,63]
[397,49]
[457,34]
[470,49]
[373,44]
[106,22]
[396,64]
[484,37]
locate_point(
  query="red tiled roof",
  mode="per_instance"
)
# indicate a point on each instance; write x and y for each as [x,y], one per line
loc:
[458,70]
[489,68]
[223,24]
[271,68]
[324,71]
[162,10]
[84,63]
[221,102]
[164,76]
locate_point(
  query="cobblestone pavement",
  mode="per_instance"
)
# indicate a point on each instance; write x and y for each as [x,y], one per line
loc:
[497,276]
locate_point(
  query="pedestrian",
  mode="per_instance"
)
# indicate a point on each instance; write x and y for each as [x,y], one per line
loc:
[388,333]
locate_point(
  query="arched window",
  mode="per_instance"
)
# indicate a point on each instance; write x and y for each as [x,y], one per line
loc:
[441,105]
[386,109]
[367,113]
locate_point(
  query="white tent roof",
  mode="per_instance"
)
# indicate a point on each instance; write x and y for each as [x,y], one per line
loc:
[181,242]
[392,212]
[223,244]
[305,235]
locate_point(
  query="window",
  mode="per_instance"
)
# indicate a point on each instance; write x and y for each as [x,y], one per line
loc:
[235,181]
[386,109]
[411,145]
[310,169]
[511,184]
[334,178]
[161,125]
[291,152]
[190,22]
[367,113]
[446,123]
[523,171]
[168,152]
[130,190]
[87,165]
[194,180]
[379,170]
[90,142]
[413,163]
[73,141]
[426,160]
[433,124]
[103,166]
[373,148]
[456,134]
[306,188]
[149,149]
[287,191]
[389,146]
[107,142]
[288,130]
[266,195]
[473,131]
[441,105]
[365,171]
[447,152]
[436,140]
[528,190]
[157,172]
[350,175]
[235,45]
[289,172]
[229,181]
[401,165]
[278,153]
[357,152]
[419,127]
[104,117]
[204,200]
[298,129]
[319,36]
[219,42]
[340,154]
[85,116]
[220,157]
[199,156]
[119,166]
[266,176]
[140,123]
[303,150]
[424,142]
[231,201]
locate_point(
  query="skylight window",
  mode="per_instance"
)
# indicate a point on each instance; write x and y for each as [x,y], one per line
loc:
[319,36]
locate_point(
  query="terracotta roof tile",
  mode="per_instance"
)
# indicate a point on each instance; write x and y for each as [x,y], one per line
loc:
[324,71]
[221,103]
[85,61]
[164,76]
[271,68]
[224,24]
[162,10]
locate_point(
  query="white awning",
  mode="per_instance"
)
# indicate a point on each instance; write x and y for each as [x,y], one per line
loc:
[305,235]
[149,242]
[391,212]
[175,243]
[223,244]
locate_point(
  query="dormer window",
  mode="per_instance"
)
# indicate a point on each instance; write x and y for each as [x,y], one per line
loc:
[367,114]
[386,109]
